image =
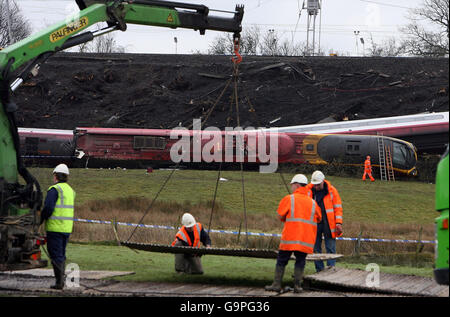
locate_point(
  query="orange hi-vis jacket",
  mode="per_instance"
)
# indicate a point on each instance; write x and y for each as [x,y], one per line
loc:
[300,214]
[367,166]
[333,207]
[183,235]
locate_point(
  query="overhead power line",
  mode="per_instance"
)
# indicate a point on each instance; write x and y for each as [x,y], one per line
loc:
[387,4]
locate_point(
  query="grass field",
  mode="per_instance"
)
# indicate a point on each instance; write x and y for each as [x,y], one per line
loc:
[378,202]
[397,210]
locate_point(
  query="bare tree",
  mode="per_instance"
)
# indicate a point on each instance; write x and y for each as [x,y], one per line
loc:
[270,44]
[423,41]
[388,47]
[249,43]
[287,48]
[250,40]
[221,45]
[19,27]
[102,44]
[253,43]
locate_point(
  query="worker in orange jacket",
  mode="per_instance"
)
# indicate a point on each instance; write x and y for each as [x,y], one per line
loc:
[330,227]
[368,169]
[191,234]
[300,215]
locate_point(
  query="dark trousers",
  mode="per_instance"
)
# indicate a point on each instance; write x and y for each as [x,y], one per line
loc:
[330,245]
[187,263]
[56,246]
[284,256]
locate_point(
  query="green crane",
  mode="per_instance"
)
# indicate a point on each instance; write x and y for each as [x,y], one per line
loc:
[441,222]
[19,203]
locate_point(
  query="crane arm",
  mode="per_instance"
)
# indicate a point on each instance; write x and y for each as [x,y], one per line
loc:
[17,200]
[117,14]
[37,48]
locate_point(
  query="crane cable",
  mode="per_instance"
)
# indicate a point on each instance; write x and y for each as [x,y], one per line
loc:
[236,61]
[154,199]
[215,196]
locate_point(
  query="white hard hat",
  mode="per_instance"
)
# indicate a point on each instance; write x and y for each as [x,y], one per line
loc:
[61,168]
[188,220]
[299,178]
[317,178]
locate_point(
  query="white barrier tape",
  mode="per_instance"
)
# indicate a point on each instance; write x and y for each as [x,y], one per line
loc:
[259,234]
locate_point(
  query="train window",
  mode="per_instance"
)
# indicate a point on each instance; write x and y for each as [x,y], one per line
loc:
[149,142]
[353,148]
[31,145]
[401,155]
[310,147]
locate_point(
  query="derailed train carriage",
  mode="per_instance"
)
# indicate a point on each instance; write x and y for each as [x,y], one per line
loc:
[353,149]
[159,146]
[427,131]
[46,147]
[111,147]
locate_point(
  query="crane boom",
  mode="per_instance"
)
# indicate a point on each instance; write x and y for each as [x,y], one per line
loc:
[19,243]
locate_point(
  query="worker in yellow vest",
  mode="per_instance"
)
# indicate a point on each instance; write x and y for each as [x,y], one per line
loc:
[58,214]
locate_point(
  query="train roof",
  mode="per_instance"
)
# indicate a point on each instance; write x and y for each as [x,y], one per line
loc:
[45,131]
[122,131]
[163,132]
[441,118]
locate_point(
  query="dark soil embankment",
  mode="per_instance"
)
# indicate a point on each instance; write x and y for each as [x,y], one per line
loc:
[163,91]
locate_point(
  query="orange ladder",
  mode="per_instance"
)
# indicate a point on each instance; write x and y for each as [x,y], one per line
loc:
[389,166]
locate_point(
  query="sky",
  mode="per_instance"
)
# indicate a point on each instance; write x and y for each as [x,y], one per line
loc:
[338,21]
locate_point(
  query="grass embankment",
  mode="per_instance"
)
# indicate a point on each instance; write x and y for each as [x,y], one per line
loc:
[392,210]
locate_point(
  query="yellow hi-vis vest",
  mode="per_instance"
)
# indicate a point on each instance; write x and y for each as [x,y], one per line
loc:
[61,219]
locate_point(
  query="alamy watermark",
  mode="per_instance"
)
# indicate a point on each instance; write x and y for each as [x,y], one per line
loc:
[72,275]
[373,276]
[232,145]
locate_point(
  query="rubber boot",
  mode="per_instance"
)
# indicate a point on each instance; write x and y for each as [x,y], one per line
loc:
[59,269]
[298,278]
[276,285]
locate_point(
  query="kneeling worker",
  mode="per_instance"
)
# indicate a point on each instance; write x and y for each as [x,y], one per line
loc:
[190,235]
[300,215]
